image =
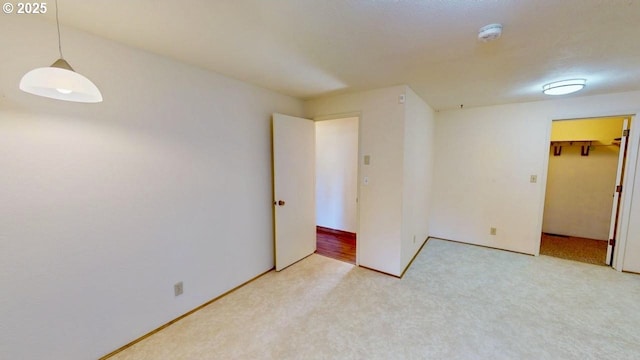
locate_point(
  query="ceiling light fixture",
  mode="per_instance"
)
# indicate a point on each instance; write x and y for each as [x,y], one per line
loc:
[564,87]
[490,32]
[59,81]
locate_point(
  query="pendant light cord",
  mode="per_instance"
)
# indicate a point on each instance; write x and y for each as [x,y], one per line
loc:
[58,24]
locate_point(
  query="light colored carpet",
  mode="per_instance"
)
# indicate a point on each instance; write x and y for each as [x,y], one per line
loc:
[456,302]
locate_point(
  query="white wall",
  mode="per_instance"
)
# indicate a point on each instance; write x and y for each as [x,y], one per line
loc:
[419,149]
[632,246]
[105,206]
[337,173]
[381,137]
[579,193]
[484,158]
[394,206]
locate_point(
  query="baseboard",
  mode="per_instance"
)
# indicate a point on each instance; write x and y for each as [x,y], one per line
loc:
[379,271]
[482,246]
[335,231]
[181,317]
[414,256]
[406,267]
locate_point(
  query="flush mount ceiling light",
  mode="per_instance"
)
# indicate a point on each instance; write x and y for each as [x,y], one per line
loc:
[490,32]
[564,87]
[59,81]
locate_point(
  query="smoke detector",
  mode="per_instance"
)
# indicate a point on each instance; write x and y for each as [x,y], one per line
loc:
[490,32]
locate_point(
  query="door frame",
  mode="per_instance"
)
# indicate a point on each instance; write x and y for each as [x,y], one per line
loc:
[633,148]
[617,201]
[628,179]
[356,114]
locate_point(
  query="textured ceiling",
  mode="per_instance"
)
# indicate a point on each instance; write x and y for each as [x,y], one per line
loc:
[312,48]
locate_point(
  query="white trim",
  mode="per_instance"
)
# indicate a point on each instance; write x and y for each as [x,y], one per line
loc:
[627,193]
[617,202]
[344,115]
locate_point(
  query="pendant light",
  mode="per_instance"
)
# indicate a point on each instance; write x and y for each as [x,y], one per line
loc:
[59,81]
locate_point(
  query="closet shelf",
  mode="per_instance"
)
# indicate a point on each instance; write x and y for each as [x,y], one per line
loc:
[576,142]
[585,145]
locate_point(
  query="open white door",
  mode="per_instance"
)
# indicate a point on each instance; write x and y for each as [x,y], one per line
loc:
[617,192]
[293,189]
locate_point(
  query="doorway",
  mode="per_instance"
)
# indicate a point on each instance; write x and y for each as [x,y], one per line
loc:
[337,188]
[586,167]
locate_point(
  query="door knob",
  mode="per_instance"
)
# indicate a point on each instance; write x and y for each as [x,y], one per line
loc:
[280,202]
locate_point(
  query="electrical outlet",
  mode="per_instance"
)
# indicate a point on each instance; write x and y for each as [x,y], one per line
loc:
[414,239]
[178,289]
[493,231]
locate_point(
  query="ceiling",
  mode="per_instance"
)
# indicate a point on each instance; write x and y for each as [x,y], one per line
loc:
[313,48]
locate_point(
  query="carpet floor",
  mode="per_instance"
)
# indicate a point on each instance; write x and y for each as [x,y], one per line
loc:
[574,248]
[456,301]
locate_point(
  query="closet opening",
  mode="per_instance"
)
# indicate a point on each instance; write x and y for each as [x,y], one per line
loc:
[587,162]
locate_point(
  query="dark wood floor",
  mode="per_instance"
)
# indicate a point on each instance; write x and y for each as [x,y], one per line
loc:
[336,244]
[574,248]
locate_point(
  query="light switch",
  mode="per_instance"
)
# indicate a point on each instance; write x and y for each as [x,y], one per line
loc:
[533,179]
[367,159]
